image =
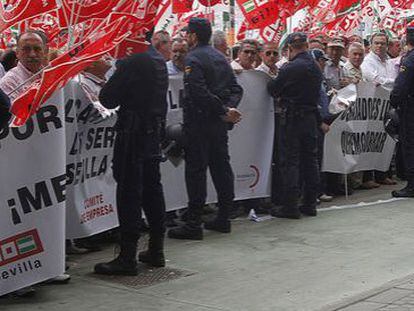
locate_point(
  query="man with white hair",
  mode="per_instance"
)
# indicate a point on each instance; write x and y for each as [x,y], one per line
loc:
[220,42]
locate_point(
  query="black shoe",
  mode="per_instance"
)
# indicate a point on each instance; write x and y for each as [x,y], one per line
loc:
[186,233]
[281,213]
[218,225]
[26,292]
[118,266]
[406,192]
[154,259]
[88,244]
[312,212]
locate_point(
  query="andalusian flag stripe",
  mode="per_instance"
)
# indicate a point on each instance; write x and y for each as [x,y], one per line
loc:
[26,244]
[249,6]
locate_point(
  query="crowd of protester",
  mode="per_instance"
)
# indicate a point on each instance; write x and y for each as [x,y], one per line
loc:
[343,60]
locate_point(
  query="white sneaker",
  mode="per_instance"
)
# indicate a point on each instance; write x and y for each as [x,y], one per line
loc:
[326,198]
[60,279]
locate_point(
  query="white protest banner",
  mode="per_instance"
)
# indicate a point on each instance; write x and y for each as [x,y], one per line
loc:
[357,140]
[250,143]
[90,189]
[32,198]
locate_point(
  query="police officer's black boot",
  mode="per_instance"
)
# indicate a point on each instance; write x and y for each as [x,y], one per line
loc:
[124,264]
[154,255]
[191,230]
[407,192]
[221,223]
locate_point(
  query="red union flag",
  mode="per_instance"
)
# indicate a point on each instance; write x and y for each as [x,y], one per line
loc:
[182,6]
[209,2]
[66,66]
[402,4]
[19,10]
[77,11]
[259,13]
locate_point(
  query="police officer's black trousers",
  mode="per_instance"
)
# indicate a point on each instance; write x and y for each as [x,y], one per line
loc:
[138,187]
[277,162]
[301,153]
[207,147]
[407,141]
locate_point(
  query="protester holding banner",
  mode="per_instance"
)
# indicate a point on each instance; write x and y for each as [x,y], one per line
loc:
[211,97]
[139,87]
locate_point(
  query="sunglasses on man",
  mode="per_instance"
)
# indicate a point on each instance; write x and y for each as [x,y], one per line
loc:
[271,53]
[252,52]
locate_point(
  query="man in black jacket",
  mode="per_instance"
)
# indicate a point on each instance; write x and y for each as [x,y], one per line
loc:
[139,87]
[211,95]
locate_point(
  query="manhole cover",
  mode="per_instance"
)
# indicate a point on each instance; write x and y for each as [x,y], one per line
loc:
[147,277]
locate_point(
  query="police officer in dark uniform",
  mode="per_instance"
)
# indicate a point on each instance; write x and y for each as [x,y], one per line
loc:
[211,97]
[298,86]
[139,87]
[5,115]
[402,98]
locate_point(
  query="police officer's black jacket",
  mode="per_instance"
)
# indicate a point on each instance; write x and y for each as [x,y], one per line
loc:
[210,86]
[139,85]
[403,92]
[5,115]
[298,84]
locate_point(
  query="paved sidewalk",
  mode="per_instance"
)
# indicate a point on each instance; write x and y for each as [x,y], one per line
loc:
[394,296]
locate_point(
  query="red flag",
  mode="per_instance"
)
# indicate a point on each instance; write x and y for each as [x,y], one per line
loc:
[74,11]
[241,34]
[259,14]
[209,2]
[402,4]
[66,66]
[19,10]
[48,23]
[182,6]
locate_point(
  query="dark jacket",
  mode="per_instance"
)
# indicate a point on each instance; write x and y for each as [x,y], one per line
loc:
[403,92]
[139,84]
[5,115]
[298,84]
[210,86]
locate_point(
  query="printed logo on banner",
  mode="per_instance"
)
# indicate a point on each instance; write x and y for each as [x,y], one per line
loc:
[252,177]
[20,246]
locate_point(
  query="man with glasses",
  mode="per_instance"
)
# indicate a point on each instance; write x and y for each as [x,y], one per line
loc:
[246,56]
[270,56]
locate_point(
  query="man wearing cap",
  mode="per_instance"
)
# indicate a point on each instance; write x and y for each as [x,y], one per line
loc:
[402,98]
[298,85]
[334,71]
[211,95]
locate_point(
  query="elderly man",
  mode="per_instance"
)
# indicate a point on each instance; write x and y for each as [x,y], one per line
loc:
[352,68]
[246,56]
[32,54]
[376,67]
[220,42]
[161,41]
[270,56]
[179,51]
[394,48]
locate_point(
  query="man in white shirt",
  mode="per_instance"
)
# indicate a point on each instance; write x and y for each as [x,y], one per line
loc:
[270,56]
[376,66]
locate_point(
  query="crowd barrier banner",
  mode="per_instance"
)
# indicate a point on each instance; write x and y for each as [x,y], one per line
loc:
[250,143]
[90,187]
[357,140]
[32,198]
